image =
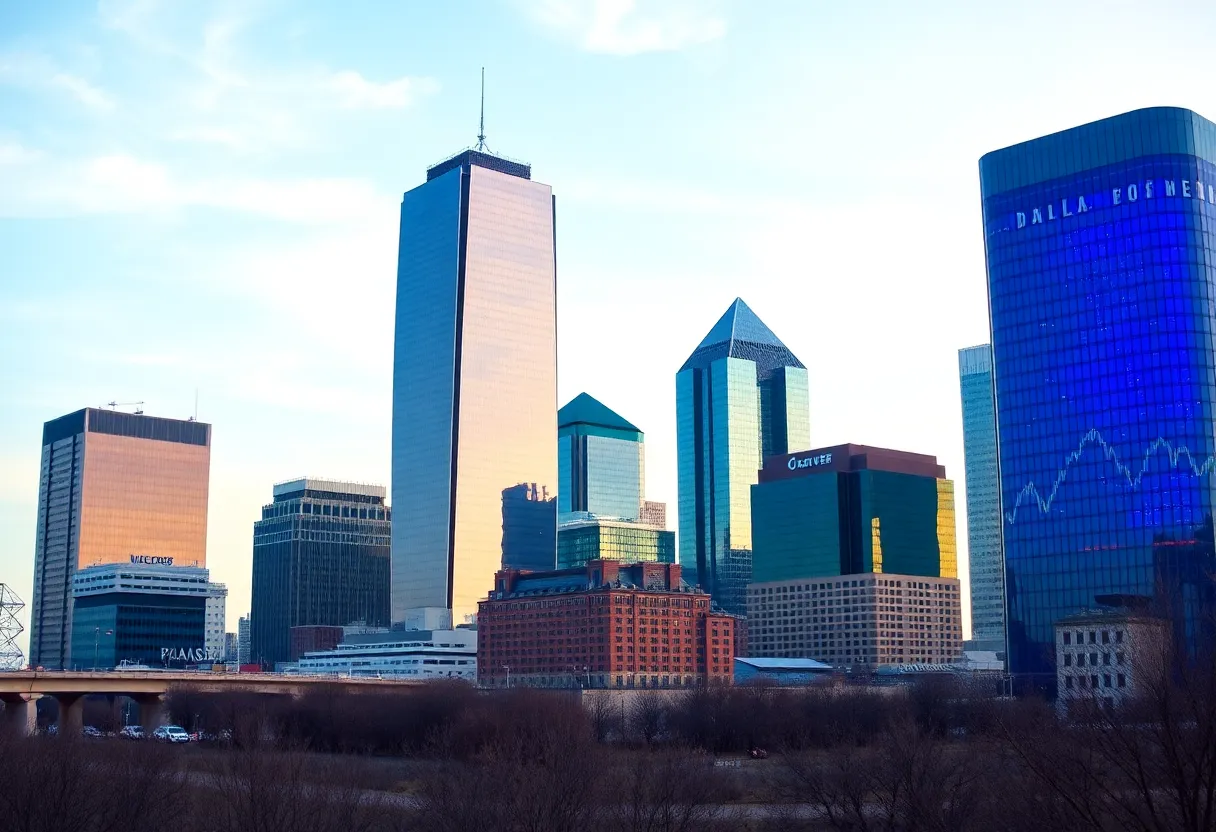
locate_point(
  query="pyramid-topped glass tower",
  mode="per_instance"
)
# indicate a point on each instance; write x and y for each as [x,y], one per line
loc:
[740,397]
[600,461]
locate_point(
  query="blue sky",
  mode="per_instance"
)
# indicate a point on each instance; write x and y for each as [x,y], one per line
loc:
[203,196]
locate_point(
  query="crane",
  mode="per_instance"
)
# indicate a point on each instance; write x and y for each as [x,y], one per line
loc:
[139,406]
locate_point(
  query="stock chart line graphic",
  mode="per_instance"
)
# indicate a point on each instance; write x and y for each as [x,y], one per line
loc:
[1030,490]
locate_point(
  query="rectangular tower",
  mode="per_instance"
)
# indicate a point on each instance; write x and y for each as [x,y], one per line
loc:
[741,395]
[320,556]
[114,488]
[1100,291]
[984,552]
[474,376]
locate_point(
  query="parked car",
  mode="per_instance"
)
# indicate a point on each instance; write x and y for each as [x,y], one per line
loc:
[90,731]
[133,732]
[171,733]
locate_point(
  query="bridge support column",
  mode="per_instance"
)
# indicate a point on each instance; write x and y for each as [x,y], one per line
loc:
[151,711]
[21,713]
[71,714]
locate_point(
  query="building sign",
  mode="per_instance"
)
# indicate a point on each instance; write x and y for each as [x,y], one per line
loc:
[1127,194]
[797,462]
[187,654]
[151,560]
[787,466]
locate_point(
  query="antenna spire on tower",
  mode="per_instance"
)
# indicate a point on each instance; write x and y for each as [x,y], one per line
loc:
[481,135]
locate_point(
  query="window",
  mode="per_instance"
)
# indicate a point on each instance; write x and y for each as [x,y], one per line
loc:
[1106,636]
[1093,637]
[1068,682]
[1068,638]
[1122,680]
[1068,660]
[1118,636]
[1105,680]
[1080,660]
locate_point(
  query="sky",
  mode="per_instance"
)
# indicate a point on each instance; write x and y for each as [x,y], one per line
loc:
[199,202]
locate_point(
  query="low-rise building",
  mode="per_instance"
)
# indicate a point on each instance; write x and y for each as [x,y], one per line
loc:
[1107,655]
[154,615]
[785,672]
[408,654]
[604,624]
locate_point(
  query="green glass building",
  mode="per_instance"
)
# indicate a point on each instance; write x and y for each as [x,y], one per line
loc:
[601,461]
[852,509]
[589,538]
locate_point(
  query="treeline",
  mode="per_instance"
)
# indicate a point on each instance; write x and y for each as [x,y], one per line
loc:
[447,758]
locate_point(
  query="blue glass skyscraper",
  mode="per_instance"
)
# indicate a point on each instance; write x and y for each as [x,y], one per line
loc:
[1102,287]
[740,397]
[600,461]
[984,551]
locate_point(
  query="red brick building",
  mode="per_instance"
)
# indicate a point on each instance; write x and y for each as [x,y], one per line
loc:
[602,625]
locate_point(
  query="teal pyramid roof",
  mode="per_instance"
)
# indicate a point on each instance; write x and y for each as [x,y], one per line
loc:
[740,333]
[585,410]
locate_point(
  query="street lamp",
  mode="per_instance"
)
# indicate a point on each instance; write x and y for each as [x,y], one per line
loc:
[96,642]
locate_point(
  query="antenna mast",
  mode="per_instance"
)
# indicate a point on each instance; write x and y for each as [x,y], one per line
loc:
[481,135]
[10,627]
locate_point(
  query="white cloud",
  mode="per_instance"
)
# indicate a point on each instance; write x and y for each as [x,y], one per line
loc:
[34,72]
[356,92]
[124,184]
[92,97]
[627,27]
[12,153]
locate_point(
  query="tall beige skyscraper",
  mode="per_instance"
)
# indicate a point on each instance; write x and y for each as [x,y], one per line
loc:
[474,384]
[114,488]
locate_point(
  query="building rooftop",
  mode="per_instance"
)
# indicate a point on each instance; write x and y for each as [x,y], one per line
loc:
[468,157]
[802,665]
[120,423]
[740,333]
[302,484]
[586,410]
[850,457]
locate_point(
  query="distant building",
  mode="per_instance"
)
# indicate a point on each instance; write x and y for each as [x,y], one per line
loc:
[154,615]
[320,556]
[984,551]
[474,375]
[310,638]
[854,560]
[231,648]
[529,527]
[216,617]
[584,538]
[242,640]
[405,654]
[787,672]
[601,461]
[740,397]
[653,514]
[603,625]
[115,488]
[1107,656]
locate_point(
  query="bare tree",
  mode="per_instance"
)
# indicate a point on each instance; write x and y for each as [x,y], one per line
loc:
[667,792]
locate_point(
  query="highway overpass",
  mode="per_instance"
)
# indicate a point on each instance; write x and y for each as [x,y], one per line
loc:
[20,690]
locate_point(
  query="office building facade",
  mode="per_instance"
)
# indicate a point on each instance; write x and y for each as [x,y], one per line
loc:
[216,614]
[474,375]
[242,640]
[1109,656]
[585,537]
[420,655]
[602,625]
[113,486]
[1101,296]
[601,461]
[320,556]
[143,614]
[855,560]
[740,397]
[986,562]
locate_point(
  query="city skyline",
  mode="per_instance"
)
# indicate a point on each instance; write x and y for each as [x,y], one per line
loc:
[215,168]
